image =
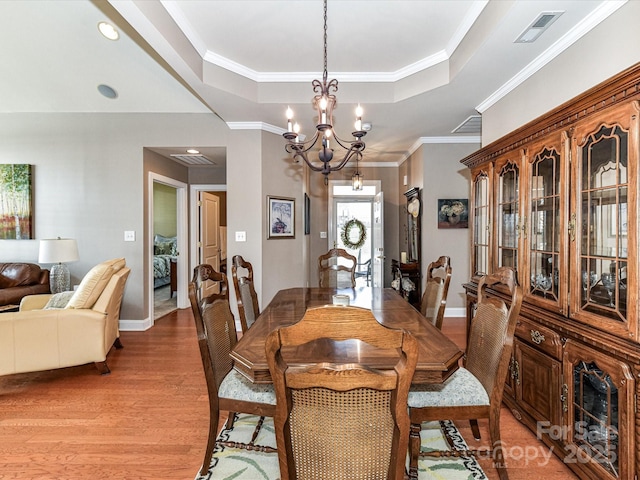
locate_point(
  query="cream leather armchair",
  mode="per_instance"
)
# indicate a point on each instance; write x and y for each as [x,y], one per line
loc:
[35,338]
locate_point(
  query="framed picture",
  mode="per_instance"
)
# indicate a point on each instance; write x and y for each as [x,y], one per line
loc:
[16,215]
[453,213]
[281,217]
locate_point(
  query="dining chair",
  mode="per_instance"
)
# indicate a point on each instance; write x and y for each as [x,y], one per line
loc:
[475,390]
[228,390]
[364,270]
[246,297]
[336,269]
[341,421]
[434,298]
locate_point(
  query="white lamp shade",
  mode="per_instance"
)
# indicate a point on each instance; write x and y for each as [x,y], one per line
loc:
[58,250]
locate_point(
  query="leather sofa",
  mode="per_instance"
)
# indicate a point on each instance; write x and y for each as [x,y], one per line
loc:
[17,280]
[45,334]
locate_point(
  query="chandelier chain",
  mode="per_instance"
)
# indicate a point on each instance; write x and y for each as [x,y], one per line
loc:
[324,74]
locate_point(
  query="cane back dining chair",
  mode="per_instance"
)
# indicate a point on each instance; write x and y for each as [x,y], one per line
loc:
[228,390]
[474,391]
[341,421]
[434,298]
[246,297]
[336,269]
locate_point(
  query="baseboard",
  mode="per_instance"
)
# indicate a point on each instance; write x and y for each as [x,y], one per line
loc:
[135,325]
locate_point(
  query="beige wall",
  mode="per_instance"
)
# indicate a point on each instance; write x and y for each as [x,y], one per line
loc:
[90,183]
[605,51]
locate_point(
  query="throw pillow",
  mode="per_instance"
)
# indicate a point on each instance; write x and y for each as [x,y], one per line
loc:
[163,248]
[93,283]
[58,300]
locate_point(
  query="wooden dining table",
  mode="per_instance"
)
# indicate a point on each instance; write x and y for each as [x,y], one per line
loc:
[437,359]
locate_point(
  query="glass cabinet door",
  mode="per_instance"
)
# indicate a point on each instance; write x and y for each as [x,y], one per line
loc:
[547,176]
[508,215]
[481,219]
[544,233]
[597,392]
[604,239]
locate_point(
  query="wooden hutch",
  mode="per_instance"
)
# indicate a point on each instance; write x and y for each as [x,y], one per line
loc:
[558,200]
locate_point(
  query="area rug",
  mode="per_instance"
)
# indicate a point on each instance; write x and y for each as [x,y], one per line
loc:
[238,464]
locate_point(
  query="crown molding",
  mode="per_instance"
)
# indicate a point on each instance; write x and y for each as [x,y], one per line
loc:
[439,140]
[603,11]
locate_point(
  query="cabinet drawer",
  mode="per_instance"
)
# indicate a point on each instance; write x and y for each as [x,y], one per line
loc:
[542,338]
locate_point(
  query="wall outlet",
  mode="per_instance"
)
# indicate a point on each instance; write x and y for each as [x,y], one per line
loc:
[129,236]
[241,236]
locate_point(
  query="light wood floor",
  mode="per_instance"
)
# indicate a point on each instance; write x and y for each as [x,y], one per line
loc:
[148,420]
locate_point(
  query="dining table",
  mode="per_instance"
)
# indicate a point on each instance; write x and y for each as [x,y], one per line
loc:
[438,356]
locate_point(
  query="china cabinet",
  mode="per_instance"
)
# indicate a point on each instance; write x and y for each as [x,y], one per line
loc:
[557,199]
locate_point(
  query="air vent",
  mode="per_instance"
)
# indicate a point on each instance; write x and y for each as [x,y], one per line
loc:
[539,25]
[198,159]
[472,124]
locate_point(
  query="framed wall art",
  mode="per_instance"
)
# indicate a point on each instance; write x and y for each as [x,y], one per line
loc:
[281,217]
[16,215]
[453,213]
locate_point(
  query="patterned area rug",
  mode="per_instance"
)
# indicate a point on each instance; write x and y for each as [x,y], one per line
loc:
[237,464]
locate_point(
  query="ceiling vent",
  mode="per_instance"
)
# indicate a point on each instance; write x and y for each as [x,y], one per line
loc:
[539,25]
[472,124]
[196,159]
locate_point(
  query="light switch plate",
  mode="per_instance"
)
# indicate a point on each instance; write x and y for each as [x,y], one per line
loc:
[129,236]
[241,236]
[323,234]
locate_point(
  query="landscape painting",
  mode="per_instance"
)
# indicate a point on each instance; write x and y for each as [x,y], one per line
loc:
[16,217]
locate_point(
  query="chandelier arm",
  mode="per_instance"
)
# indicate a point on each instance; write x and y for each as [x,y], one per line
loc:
[348,156]
[357,144]
[293,147]
[304,157]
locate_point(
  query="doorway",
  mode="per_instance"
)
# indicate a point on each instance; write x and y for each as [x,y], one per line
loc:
[167,239]
[356,225]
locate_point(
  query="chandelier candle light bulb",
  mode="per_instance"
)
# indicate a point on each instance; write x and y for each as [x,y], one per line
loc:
[289,119]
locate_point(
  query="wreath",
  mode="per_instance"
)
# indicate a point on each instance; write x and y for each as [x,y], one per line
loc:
[345,235]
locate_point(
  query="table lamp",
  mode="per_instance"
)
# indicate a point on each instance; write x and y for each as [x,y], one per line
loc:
[57,251]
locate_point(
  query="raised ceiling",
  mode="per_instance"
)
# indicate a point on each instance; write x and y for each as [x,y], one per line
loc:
[419,68]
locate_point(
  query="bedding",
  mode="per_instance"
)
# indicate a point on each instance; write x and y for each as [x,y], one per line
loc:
[164,249]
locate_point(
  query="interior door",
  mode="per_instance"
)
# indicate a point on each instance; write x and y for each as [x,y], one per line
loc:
[210,236]
[377,265]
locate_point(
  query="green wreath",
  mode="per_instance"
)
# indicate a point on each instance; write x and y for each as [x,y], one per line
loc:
[345,235]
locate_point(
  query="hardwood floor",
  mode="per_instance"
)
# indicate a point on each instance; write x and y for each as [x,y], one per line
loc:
[148,419]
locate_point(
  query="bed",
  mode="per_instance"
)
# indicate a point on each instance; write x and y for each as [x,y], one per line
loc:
[164,259]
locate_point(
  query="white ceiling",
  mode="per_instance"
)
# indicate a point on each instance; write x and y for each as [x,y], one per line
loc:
[419,68]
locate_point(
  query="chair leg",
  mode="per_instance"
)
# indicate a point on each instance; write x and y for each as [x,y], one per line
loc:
[414,450]
[211,440]
[496,446]
[102,368]
[118,344]
[230,419]
[475,429]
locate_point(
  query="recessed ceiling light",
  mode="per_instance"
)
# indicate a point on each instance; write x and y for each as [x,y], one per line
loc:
[108,30]
[107,91]
[192,151]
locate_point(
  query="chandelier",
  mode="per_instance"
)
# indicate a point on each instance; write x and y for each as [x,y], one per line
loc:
[324,102]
